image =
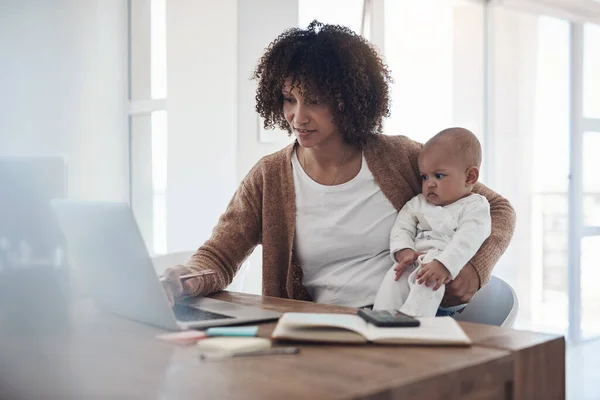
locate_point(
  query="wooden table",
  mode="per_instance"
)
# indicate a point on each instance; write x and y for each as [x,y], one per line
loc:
[101,356]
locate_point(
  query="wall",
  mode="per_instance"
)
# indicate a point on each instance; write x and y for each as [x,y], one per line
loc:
[202,117]
[259,23]
[64,89]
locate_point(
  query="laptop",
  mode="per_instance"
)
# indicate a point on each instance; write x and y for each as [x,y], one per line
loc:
[106,246]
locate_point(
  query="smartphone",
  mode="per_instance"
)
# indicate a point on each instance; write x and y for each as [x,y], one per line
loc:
[388,319]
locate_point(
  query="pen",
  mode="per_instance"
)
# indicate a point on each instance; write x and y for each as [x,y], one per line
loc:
[192,275]
[264,352]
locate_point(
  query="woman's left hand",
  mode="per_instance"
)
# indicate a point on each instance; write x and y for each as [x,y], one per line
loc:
[462,289]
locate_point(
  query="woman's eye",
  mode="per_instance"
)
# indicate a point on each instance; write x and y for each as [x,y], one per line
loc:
[289,99]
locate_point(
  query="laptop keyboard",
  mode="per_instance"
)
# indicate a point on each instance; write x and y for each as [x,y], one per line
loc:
[187,314]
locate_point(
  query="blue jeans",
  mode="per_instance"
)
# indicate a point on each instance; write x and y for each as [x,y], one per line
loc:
[449,311]
[441,312]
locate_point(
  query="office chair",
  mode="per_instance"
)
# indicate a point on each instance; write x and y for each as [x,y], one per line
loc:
[495,304]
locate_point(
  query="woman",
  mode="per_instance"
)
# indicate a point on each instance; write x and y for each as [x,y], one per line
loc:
[323,207]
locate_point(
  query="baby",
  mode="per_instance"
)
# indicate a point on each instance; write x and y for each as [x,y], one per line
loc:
[438,231]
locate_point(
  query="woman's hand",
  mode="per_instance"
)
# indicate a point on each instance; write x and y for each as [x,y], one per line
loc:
[175,287]
[462,289]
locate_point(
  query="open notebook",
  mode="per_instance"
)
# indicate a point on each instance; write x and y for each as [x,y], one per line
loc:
[345,328]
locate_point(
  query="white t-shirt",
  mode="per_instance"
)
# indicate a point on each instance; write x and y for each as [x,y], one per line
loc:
[342,237]
[451,234]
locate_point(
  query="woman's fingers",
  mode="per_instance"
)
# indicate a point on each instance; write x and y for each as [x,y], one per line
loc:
[173,285]
[167,289]
[191,285]
[172,278]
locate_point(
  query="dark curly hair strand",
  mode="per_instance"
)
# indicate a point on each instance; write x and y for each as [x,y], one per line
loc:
[332,64]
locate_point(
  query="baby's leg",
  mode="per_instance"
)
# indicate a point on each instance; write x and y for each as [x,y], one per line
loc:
[392,294]
[422,301]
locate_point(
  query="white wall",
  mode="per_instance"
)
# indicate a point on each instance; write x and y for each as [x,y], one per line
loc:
[64,89]
[212,50]
[202,117]
[259,23]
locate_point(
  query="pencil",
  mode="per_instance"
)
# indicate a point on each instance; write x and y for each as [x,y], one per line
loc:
[192,275]
[263,352]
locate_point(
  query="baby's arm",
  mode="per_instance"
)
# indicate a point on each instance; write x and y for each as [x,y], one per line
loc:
[404,229]
[474,227]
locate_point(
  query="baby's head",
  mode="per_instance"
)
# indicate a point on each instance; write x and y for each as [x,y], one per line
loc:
[449,165]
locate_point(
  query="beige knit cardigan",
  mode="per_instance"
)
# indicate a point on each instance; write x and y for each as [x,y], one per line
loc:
[263,211]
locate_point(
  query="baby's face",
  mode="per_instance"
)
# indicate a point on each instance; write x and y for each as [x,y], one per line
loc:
[444,179]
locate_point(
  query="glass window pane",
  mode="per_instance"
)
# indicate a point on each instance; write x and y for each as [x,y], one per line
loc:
[550,238]
[141,175]
[159,225]
[591,178]
[530,159]
[338,12]
[148,49]
[550,174]
[158,48]
[435,53]
[139,51]
[590,295]
[149,177]
[159,151]
[551,129]
[591,71]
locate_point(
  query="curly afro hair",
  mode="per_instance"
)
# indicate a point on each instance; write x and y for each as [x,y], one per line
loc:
[330,63]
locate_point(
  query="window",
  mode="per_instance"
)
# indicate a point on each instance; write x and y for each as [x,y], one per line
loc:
[504,73]
[159,181]
[590,273]
[158,49]
[530,159]
[148,120]
[435,53]
[591,71]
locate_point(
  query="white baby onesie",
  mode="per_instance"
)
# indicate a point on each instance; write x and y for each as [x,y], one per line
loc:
[451,234]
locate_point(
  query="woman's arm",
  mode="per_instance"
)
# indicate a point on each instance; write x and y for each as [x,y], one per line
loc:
[503,226]
[233,239]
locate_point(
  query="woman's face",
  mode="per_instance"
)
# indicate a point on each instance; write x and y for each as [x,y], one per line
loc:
[311,121]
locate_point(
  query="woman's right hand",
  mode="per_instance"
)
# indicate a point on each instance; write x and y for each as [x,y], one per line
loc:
[175,287]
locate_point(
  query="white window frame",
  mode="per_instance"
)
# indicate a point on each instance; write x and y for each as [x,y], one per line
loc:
[577,12]
[142,107]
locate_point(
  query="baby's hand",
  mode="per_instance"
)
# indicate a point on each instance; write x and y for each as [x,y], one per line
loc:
[433,273]
[404,258]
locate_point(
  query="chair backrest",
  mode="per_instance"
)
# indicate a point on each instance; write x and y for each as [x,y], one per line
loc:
[495,304]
